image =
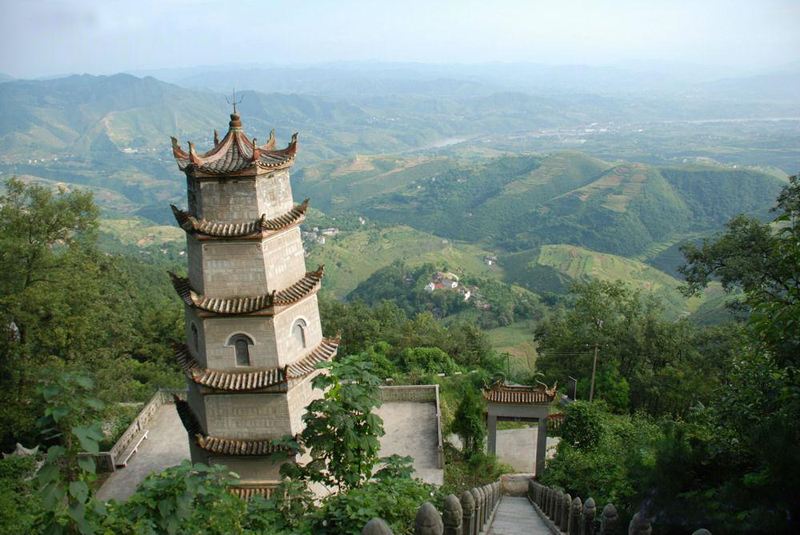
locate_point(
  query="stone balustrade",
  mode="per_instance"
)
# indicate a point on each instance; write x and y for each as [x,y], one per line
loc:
[470,515]
[106,461]
[564,514]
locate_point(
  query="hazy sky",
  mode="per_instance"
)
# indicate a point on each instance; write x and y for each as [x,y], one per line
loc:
[46,37]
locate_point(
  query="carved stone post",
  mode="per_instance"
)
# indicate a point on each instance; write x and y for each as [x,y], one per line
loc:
[477,496]
[482,508]
[468,514]
[640,524]
[589,512]
[452,516]
[376,526]
[566,503]
[551,506]
[608,522]
[558,507]
[575,517]
[428,521]
[702,531]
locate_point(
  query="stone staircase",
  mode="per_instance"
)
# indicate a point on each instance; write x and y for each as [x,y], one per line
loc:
[515,515]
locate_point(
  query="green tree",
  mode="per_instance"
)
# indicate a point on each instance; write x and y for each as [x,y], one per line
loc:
[65,480]
[468,422]
[341,429]
[763,261]
[183,499]
[644,361]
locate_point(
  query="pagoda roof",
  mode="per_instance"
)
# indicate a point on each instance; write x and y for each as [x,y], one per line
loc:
[254,379]
[309,283]
[221,445]
[255,228]
[502,392]
[235,153]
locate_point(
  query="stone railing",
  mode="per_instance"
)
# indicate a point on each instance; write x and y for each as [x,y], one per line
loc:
[470,515]
[564,514]
[409,393]
[422,394]
[106,461]
[554,422]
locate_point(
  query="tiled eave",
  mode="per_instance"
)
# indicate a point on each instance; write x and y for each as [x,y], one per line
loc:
[263,304]
[221,445]
[520,394]
[256,229]
[254,379]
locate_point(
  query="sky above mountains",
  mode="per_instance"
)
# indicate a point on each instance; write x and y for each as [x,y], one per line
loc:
[52,37]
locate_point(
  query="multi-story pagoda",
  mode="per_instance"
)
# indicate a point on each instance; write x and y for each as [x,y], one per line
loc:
[252,321]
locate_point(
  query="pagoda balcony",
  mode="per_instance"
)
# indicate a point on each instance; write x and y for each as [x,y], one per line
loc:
[226,446]
[263,305]
[256,229]
[255,379]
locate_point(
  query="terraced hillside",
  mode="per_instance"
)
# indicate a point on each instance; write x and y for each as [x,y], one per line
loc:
[519,202]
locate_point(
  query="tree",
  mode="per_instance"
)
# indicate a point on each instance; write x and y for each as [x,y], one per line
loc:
[342,431]
[644,361]
[468,422]
[66,478]
[763,261]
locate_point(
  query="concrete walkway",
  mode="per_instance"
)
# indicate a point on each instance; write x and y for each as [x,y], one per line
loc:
[516,516]
[166,445]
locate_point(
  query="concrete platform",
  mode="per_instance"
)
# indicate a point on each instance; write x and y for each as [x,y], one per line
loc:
[166,445]
[410,430]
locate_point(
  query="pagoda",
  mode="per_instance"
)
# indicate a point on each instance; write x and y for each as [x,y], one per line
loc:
[253,334]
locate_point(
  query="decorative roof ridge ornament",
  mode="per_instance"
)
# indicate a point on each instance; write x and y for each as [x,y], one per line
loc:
[216,137]
[193,155]
[177,151]
[256,150]
[270,144]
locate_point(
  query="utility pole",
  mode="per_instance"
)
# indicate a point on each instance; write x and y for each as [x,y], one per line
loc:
[594,372]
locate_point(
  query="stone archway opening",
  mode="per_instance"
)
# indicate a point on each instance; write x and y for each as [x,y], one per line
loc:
[520,403]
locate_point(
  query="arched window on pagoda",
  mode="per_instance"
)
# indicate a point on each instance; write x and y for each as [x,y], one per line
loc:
[241,345]
[195,339]
[299,333]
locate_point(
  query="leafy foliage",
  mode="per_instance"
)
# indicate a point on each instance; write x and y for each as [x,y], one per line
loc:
[66,478]
[182,499]
[341,431]
[66,306]
[468,422]
[643,359]
[393,495]
[764,262]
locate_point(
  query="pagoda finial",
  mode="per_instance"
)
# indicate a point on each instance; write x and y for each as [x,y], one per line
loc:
[235,123]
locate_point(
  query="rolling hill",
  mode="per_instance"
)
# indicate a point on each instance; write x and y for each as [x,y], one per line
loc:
[520,202]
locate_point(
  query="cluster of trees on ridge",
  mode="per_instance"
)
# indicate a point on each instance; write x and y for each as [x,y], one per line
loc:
[685,417]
